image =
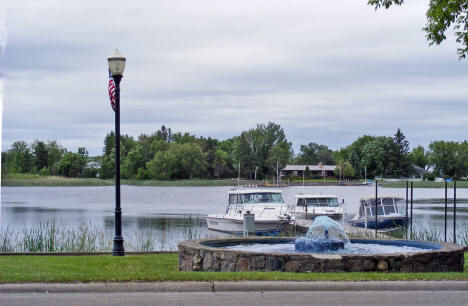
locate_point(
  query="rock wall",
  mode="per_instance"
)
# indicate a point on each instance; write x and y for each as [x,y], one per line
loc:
[207,255]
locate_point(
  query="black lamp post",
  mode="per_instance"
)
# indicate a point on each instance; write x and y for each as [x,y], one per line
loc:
[116,68]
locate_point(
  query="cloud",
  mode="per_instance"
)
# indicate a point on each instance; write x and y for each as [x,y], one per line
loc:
[326,71]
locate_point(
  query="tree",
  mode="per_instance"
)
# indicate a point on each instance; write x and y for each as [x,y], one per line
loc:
[307,173]
[162,166]
[442,16]
[183,138]
[134,161]
[462,160]
[146,141]
[418,157]
[191,160]
[107,166]
[21,159]
[443,156]
[55,153]
[220,161]
[109,143]
[180,161]
[313,153]
[127,143]
[402,162]
[280,154]
[73,164]
[245,151]
[262,147]
[41,155]
[208,146]
[344,169]
[163,133]
[354,154]
[378,155]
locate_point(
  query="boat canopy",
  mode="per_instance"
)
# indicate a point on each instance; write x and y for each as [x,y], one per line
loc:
[386,206]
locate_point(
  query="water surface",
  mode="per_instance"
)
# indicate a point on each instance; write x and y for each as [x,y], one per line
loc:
[177,213]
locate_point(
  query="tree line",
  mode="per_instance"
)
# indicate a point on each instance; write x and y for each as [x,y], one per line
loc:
[260,151]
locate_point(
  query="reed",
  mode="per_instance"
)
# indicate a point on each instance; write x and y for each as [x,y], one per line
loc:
[53,236]
[190,232]
[421,233]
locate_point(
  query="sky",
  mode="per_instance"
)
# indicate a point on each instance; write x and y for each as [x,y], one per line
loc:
[326,71]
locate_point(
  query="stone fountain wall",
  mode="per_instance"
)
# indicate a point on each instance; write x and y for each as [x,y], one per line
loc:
[207,255]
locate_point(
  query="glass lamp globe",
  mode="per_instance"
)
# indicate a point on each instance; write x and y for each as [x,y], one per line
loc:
[116,63]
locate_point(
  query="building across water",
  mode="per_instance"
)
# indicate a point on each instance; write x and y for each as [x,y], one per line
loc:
[319,170]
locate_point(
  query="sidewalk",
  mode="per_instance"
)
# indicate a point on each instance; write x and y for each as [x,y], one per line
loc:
[246,286]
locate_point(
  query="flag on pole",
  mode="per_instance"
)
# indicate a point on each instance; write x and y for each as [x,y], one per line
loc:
[111,91]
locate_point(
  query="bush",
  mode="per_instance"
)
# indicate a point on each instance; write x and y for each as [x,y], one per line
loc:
[44,171]
[431,176]
[91,172]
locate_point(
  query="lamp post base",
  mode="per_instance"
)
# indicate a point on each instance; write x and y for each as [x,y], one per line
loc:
[118,249]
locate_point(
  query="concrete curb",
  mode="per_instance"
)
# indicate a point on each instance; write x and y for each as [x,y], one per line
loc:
[234,286]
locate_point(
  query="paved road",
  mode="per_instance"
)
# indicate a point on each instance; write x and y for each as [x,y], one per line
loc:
[241,293]
[241,298]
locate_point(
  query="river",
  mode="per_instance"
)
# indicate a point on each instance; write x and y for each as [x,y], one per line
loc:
[177,213]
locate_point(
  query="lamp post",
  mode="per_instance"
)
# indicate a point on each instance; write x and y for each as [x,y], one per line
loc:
[116,67]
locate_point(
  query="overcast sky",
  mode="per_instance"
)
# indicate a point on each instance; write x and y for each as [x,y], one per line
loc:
[327,71]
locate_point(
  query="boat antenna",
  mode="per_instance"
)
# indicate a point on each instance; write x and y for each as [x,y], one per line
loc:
[238,176]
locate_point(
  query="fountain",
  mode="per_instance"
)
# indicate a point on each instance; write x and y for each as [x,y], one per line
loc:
[325,248]
[323,235]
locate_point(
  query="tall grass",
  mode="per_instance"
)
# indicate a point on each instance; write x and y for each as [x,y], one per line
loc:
[53,236]
[421,233]
[189,232]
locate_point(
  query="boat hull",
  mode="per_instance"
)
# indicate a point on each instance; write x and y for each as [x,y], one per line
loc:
[382,222]
[236,226]
[303,216]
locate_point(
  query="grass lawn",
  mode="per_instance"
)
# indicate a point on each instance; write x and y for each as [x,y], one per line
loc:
[164,267]
[320,180]
[425,184]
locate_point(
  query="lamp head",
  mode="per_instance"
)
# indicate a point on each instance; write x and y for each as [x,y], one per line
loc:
[116,63]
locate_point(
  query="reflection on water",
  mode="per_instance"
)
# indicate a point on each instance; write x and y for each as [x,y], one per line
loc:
[173,214]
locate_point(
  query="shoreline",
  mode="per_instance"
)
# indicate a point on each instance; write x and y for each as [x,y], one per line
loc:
[27,180]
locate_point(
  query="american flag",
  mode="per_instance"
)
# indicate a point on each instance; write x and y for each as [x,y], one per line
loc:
[111,91]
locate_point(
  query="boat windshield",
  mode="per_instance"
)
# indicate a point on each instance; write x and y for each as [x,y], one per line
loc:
[318,202]
[261,197]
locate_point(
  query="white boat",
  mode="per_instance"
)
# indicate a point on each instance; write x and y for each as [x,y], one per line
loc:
[309,206]
[390,213]
[266,205]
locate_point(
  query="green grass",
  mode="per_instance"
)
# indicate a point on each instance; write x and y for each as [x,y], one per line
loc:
[299,180]
[26,180]
[425,184]
[164,267]
[33,180]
